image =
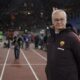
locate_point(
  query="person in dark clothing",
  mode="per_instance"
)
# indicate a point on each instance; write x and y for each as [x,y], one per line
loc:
[16,43]
[63,50]
[36,41]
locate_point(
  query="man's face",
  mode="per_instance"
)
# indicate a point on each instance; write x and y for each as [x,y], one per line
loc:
[59,20]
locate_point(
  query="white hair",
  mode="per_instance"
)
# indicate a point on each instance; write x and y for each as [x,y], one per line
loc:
[58,11]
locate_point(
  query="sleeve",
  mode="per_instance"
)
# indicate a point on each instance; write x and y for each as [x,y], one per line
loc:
[75,48]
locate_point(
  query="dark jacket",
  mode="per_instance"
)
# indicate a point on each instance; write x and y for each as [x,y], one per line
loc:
[63,56]
[16,42]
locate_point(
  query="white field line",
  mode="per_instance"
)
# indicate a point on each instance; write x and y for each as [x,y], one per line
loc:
[30,66]
[24,64]
[39,54]
[4,65]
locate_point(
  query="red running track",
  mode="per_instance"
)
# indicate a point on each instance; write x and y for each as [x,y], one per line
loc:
[30,66]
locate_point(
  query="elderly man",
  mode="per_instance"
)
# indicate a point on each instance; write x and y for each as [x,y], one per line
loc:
[63,50]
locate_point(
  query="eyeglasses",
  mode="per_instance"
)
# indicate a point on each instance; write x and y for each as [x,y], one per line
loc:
[61,19]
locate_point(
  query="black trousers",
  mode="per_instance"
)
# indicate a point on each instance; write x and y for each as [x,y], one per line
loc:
[16,52]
